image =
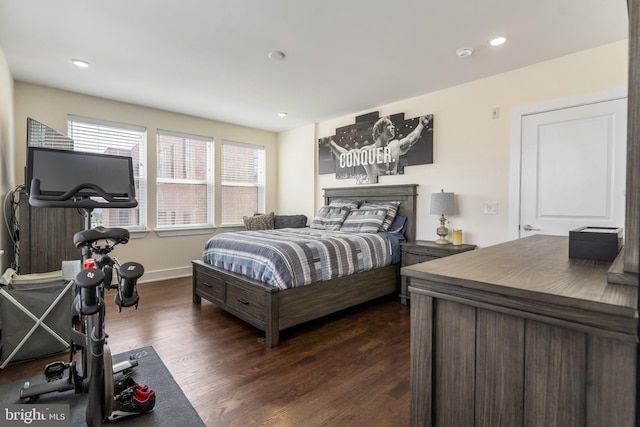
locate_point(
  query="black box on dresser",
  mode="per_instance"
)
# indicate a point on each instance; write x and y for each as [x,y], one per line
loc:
[596,243]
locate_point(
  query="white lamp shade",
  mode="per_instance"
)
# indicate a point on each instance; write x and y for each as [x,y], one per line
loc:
[442,203]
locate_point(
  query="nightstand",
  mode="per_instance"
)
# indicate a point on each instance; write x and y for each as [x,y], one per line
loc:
[421,251]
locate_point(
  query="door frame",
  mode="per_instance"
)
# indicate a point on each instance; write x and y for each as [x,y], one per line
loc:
[515,144]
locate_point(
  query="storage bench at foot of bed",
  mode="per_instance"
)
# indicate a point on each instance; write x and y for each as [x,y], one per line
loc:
[271,309]
[251,302]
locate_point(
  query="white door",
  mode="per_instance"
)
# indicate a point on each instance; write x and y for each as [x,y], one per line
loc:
[573,168]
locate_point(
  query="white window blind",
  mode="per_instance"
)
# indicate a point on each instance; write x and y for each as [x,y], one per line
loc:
[184,184]
[101,136]
[243,170]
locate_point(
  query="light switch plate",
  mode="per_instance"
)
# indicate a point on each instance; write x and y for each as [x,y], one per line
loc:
[491,208]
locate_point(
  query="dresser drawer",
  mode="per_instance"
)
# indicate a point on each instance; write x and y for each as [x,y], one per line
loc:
[248,300]
[410,258]
[211,286]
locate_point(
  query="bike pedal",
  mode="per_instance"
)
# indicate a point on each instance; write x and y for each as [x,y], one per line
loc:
[54,370]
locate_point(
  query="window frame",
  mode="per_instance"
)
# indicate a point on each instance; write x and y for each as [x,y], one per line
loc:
[139,168]
[260,185]
[162,157]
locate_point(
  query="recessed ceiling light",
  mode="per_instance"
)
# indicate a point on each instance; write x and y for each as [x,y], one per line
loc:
[464,52]
[276,55]
[80,63]
[282,114]
[497,41]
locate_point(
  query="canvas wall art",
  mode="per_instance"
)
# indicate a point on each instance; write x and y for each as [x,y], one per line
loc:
[374,146]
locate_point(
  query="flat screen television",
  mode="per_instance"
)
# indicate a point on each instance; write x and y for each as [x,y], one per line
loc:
[60,171]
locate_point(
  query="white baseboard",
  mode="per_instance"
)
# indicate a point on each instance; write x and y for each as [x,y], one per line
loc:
[173,273]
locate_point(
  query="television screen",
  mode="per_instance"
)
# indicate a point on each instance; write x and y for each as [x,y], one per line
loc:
[61,170]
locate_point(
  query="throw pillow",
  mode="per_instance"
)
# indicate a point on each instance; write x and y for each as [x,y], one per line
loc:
[259,222]
[330,218]
[364,221]
[392,211]
[290,221]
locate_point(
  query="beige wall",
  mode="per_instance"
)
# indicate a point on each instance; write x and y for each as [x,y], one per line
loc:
[161,256]
[471,150]
[297,172]
[6,153]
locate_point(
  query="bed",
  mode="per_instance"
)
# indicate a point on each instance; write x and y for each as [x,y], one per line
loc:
[273,309]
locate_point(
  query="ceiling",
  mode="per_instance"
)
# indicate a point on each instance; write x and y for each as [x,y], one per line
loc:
[209,58]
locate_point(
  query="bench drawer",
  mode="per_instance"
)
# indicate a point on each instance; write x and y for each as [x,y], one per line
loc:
[248,300]
[211,286]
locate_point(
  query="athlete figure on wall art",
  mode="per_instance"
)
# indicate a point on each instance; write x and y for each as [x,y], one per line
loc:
[382,157]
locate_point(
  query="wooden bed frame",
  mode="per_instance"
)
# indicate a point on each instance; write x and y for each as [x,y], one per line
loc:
[271,309]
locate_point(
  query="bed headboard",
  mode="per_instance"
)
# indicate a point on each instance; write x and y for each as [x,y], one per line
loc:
[404,193]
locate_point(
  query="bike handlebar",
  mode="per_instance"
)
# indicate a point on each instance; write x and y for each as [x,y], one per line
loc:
[69,200]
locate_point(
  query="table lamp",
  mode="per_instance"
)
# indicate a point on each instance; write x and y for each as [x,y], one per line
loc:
[442,204]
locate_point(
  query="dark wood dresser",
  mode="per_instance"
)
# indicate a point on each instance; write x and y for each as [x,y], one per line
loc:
[417,251]
[519,334]
[46,237]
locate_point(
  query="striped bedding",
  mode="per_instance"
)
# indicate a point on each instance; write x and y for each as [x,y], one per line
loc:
[293,257]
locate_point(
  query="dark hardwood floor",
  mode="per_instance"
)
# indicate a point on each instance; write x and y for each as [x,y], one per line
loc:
[347,369]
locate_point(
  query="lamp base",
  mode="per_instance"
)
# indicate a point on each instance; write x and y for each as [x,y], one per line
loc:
[442,241]
[442,232]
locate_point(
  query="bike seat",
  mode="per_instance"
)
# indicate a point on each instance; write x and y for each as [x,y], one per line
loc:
[86,237]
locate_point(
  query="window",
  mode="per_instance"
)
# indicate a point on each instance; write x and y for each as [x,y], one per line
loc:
[100,136]
[243,169]
[184,185]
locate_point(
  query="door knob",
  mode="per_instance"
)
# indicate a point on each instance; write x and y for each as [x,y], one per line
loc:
[527,227]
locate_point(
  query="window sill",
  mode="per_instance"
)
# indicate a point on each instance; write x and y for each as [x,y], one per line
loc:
[233,226]
[172,232]
[138,234]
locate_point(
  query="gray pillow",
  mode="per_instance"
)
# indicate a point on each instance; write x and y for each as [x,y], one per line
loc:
[290,221]
[364,220]
[330,218]
[392,211]
[351,204]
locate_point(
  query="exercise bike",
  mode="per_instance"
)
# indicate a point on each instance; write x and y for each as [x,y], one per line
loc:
[95,374]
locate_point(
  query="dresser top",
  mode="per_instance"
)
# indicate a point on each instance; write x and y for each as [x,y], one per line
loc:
[433,245]
[536,268]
